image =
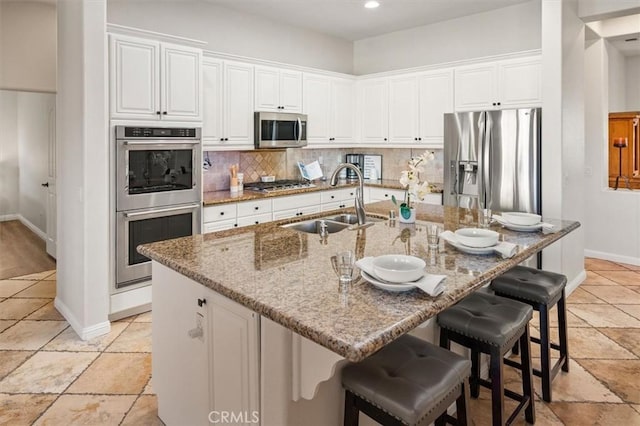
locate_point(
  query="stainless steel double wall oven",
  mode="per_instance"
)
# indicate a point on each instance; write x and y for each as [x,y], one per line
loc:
[158,195]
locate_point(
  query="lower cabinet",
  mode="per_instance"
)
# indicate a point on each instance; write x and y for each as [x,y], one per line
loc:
[205,353]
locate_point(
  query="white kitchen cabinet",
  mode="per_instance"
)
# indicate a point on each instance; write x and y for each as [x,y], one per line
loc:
[337,198]
[235,334]
[433,198]
[278,90]
[384,194]
[254,207]
[329,104]
[406,110]
[206,351]
[503,84]
[151,80]
[180,339]
[296,205]
[219,217]
[228,105]
[373,107]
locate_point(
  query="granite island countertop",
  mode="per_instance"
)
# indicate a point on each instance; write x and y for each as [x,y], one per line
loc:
[287,276]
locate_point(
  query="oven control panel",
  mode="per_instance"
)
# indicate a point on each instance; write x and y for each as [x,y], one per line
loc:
[156,132]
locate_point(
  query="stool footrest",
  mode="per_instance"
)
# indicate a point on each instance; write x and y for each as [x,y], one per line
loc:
[554,370]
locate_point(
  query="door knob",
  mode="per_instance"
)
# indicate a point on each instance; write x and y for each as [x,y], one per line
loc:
[46,184]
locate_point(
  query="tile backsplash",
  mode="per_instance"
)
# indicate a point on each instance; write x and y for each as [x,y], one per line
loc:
[283,163]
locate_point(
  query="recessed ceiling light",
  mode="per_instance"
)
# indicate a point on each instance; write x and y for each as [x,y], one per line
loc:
[371,4]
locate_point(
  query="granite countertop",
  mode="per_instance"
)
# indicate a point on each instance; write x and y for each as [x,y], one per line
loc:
[287,276]
[222,197]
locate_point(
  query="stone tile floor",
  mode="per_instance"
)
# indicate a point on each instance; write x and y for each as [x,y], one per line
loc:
[48,376]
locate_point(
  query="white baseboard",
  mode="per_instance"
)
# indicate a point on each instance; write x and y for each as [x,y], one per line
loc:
[8,217]
[85,333]
[25,222]
[612,257]
[575,283]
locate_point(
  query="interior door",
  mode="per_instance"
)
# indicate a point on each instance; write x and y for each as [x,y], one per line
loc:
[51,186]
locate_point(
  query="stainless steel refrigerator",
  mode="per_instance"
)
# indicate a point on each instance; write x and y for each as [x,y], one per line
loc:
[492,160]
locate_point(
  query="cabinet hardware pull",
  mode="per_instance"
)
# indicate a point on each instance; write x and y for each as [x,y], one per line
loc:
[157,112]
[164,112]
[256,207]
[202,302]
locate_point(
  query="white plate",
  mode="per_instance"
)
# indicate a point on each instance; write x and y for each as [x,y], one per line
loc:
[472,250]
[522,228]
[385,285]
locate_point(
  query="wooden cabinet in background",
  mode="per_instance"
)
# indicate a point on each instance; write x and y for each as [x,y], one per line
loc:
[625,125]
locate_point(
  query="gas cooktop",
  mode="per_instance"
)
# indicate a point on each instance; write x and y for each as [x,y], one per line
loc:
[278,185]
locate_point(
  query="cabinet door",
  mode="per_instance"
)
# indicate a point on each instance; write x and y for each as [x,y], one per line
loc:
[373,100]
[436,99]
[342,110]
[291,91]
[135,78]
[238,104]
[181,80]
[211,102]
[520,83]
[234,357]
[267,96]
[475,87]
[382,194]
[180,338]
[317,95]
[403,110]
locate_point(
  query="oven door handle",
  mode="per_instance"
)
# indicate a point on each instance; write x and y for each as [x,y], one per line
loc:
[167,210]
[163,142]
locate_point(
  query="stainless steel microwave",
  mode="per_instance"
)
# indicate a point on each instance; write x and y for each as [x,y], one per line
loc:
[280,130]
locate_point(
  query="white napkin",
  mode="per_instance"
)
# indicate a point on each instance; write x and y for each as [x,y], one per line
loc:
[431,284]
[501,220]
[503,248]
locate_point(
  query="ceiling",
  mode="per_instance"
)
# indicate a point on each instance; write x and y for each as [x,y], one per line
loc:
[348,19]
[627,48]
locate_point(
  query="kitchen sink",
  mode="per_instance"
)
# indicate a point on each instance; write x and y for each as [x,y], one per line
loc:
[314,226]
[352,219]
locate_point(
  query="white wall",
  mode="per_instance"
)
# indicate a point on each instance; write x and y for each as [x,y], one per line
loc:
[510,29]
[33,148]
[83,178]
[633,83]
[28,46]
[617,79]
[9,176]
[612,228]
[236,33]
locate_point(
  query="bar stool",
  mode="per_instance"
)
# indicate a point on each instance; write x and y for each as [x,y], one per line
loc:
[408,382]
[490,324]
[541,290]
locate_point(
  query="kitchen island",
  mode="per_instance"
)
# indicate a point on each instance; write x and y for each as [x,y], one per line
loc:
[252,321]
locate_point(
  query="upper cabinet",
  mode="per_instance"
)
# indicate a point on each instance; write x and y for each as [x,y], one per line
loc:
[227,104]
[406,110]
[278,90]
[329,103]
[151,80]
[512,83]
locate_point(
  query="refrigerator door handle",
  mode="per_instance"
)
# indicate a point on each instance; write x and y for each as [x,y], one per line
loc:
[486,162]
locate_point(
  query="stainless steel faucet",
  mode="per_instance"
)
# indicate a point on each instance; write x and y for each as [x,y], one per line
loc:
[360,213]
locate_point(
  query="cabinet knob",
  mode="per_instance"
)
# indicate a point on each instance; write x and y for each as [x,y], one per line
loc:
[202,302]
[419,139]
[164,112]
[157,112]
[221,139]
[385,139]
[235,225]
[494,104]
[257,222]
[221,213]
[499,103]
[255,208]
[226,139]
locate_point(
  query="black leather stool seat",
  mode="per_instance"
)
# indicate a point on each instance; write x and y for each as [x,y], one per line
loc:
[530,284]
[487,318]
[410,379]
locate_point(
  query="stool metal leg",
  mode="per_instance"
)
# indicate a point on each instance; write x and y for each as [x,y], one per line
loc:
[497,387]
[527,376]
[545,353]
[562,331]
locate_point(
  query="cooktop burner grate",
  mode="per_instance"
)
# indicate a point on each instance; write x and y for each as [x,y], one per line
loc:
[278,185]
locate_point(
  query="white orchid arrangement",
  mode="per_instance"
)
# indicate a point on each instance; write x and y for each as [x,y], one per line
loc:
[410,180]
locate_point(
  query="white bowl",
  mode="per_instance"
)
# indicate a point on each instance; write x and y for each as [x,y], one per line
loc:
[398,268]
[524,219]
[477,237]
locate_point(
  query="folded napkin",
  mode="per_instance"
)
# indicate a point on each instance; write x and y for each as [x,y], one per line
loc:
[503,248]
[501,220]
[433,285]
